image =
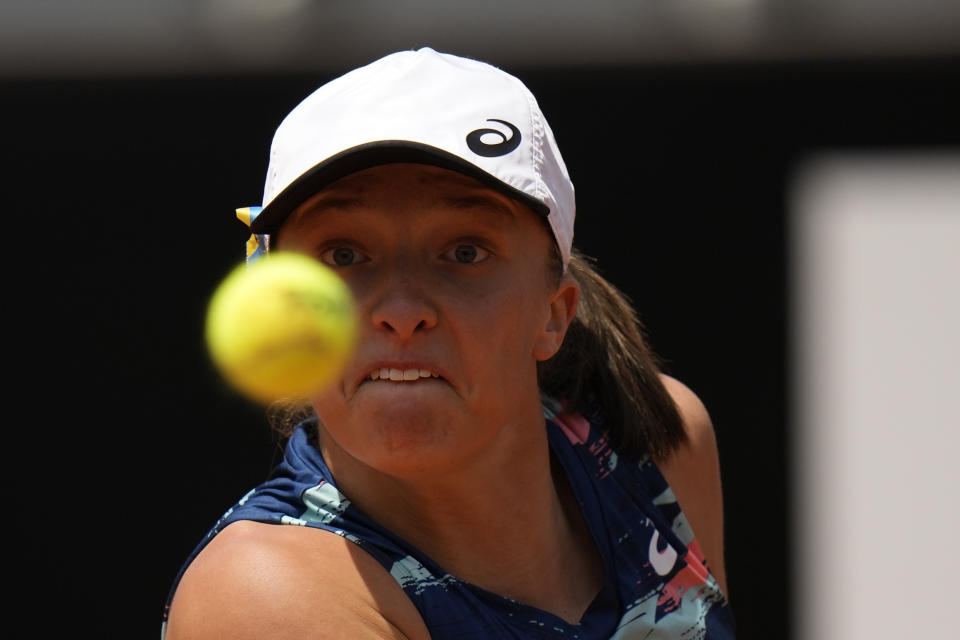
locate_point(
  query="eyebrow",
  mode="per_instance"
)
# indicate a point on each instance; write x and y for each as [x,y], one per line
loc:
[322,205]
[478,201]
[459,203]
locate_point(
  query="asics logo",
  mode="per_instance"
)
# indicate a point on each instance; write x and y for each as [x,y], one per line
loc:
[501,148]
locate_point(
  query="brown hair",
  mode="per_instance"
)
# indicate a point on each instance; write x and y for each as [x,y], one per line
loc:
[606,366]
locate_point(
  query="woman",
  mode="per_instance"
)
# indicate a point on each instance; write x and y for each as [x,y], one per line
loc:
[495,460]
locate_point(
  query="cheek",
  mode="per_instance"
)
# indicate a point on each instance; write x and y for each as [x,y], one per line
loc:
[503,325]
[329,404]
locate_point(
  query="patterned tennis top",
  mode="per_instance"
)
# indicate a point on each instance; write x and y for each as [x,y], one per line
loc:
[657,587]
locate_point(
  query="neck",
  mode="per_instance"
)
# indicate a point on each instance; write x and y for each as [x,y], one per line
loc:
[512,528]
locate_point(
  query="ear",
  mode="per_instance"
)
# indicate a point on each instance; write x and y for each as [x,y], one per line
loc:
[563,307]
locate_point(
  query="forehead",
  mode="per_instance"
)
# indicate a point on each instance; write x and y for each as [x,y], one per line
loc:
[407,185]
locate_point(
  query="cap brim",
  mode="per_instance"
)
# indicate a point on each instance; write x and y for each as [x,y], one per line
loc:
[371,155]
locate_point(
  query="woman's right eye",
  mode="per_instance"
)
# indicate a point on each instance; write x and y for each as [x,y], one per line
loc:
[342,257]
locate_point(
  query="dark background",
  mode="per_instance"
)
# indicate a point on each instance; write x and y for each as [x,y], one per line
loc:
[118,203]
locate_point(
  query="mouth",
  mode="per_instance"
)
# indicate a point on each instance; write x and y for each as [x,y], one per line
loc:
[392,374]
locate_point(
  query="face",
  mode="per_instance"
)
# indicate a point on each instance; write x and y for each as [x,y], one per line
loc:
[455,297]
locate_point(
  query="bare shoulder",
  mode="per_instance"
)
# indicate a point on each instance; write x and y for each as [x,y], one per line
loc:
[266,581]
[691,407]
[693,472]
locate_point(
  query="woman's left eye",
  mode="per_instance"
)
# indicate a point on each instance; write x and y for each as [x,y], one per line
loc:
[467,254]
[342,257]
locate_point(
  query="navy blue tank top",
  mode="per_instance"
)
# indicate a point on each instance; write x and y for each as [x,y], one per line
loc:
[658,586]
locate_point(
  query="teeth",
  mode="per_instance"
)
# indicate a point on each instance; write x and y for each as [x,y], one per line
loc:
[401,375]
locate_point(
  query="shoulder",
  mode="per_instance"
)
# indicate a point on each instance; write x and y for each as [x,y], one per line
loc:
[696,419]
[263,581]
[693,473]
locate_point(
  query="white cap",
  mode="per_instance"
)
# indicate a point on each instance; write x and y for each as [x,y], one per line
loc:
[426,107]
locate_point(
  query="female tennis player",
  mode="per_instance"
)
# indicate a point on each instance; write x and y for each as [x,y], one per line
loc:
[502,458]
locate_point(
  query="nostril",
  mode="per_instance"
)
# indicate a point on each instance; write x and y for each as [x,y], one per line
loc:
[405,325]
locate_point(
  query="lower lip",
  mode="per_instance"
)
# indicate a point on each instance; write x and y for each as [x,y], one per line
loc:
[395,393]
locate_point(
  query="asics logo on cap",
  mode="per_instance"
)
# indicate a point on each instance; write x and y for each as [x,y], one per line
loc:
[502,148]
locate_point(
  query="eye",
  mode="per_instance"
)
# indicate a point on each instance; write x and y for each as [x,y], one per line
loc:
[467,254]
[342,257]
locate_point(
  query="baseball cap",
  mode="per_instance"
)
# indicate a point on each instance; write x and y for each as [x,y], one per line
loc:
[426,107]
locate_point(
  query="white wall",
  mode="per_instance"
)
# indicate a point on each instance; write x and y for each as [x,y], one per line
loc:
[876,356]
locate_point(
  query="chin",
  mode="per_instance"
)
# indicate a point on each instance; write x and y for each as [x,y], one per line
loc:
[398,440]
[401,431]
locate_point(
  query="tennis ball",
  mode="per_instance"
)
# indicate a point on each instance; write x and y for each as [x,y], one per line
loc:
[281,327]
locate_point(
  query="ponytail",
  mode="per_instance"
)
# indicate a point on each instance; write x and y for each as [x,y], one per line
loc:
[605,365]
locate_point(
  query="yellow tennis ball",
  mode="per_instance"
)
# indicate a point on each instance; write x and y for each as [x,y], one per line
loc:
[283,326]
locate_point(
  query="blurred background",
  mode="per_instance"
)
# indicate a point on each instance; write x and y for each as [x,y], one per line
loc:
[774,184]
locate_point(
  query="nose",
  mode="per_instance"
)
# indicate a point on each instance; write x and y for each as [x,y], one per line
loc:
[403,309]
